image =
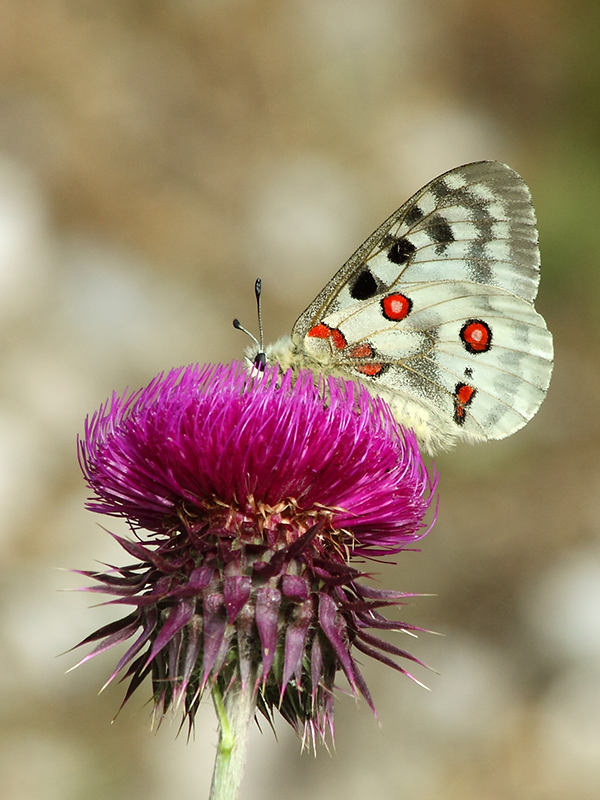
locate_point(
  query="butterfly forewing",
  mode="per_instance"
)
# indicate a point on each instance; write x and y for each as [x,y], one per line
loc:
[435,309]
[475,222]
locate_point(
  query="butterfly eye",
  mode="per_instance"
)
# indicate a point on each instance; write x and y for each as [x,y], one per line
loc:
[260,362]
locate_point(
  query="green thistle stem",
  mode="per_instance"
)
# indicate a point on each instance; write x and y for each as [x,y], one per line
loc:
[235,716]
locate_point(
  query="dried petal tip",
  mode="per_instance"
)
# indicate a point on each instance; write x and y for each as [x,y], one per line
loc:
[254,494]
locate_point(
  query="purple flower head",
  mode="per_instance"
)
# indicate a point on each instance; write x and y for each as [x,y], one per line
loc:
[248,496]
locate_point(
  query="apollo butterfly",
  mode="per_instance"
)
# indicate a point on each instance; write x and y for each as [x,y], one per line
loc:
[434,312]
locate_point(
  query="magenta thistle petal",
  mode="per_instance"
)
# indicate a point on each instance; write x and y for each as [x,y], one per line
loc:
[249,496]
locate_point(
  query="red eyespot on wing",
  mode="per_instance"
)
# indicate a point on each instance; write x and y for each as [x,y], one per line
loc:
[361,351]
[365,350]
[463,396]
[476,335]
[322,331]
[371,370]
[338,339]
[464,393]
[396,307]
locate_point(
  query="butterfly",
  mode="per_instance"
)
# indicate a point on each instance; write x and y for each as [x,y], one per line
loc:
[434,312]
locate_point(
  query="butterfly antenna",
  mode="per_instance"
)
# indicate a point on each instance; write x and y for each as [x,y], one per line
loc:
[260,359]
[257,292]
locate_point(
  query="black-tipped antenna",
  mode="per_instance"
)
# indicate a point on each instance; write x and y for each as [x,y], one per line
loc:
[239,327]
[260,359]
[257,292]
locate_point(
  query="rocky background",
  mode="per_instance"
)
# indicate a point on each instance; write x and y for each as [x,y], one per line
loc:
[155,157]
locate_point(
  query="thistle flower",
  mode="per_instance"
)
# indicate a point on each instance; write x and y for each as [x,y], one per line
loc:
[248,497]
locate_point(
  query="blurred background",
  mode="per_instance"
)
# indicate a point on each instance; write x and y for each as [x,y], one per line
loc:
[155,157]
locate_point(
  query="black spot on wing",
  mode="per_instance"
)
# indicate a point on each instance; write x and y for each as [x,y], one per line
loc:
[441,232]
[400,251]
[440,190]
[364,286]
[478,261]
[414,215]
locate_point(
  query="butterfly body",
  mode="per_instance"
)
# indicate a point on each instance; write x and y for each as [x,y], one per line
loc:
[434,312]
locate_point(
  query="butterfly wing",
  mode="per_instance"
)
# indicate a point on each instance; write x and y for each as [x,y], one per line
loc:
[435,310]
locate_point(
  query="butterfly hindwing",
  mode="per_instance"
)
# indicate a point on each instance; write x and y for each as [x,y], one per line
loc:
[459,340]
